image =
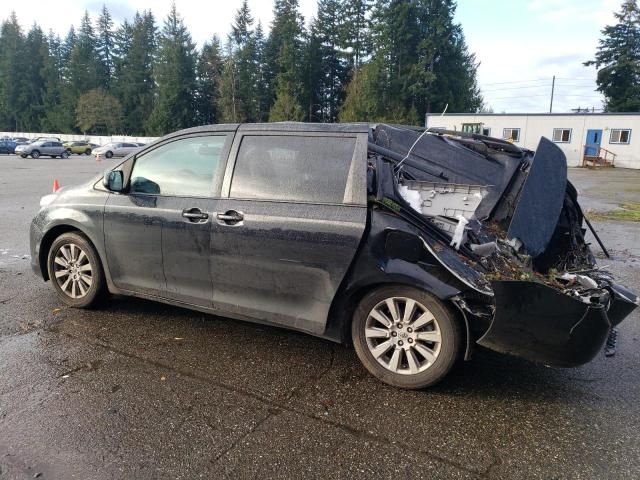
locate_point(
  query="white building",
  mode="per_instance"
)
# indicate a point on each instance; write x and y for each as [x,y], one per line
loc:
[607,136]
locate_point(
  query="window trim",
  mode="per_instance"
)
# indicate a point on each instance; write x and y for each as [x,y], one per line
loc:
[355,183]
[628,142]
[504,134]
[553,137]
[218,175]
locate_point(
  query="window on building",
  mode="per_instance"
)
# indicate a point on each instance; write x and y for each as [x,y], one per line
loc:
[486,131]
[562,135]
[620,135]
[512,134]
[475,128]
[293,168]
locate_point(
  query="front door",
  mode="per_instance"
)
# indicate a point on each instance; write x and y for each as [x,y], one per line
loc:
[592,144]
[172,186]
[284,239]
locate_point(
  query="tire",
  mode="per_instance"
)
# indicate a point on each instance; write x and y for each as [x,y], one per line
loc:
[415,354]
[35,154]
[68,151]
[87,151]
[109,154]
[65,154]
[23,156]
[83,284]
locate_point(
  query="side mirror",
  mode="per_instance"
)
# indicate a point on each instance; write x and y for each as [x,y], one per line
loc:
[113,180]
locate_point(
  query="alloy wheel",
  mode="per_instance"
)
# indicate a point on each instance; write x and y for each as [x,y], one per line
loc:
[73,271]
[403,335]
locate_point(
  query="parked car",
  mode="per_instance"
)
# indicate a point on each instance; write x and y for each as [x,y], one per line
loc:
[40,148]
[116,149]
[411,245]
[7,146]
[79,148]
[47,139]
[21,140]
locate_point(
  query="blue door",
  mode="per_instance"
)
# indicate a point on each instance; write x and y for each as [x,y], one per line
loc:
[592,145]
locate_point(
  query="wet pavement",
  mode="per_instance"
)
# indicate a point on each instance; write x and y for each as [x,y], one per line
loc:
[138,389]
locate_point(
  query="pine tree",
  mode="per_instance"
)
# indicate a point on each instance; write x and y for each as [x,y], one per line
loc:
[356,25]
[209,71]
[83,63]
[33,83]
[283,52]
[175,76]
[133,83]
[618,61]
[11,73]
[56,117]
[105,48]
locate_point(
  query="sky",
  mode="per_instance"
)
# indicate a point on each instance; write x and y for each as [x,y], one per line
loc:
[520,44]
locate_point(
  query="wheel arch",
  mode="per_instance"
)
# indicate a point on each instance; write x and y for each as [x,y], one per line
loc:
[397,273]
[50,236]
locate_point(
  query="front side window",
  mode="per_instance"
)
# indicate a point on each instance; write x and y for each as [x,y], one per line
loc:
[620,136]
[293,168]
[562,135]
[512,134]
[184,167]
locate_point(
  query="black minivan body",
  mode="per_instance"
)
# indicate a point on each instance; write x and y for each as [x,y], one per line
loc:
[414,245]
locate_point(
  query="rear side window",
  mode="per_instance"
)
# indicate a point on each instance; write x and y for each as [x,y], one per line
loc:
[184,167]
[293,168]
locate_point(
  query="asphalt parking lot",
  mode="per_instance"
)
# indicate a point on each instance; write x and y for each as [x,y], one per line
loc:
[143,390]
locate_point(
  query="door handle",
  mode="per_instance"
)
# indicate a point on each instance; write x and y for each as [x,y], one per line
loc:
[231,217]
[194,214]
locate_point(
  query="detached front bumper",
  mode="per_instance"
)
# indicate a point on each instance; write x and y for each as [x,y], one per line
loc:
[541,324]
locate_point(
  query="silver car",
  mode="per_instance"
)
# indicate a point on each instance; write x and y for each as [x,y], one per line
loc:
[43,147]
[116,149]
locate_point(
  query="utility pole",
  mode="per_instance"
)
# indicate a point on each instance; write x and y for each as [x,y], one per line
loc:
[553,90]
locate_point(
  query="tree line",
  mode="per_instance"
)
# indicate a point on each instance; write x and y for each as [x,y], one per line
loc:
[356,60]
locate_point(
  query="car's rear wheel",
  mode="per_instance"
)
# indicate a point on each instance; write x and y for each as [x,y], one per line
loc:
[109,154]
[75,270]
[23,156]
[35,154]
[65,154]
[406,337]
[87,151]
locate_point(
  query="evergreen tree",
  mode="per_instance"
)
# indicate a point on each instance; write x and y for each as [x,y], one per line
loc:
[175,76]
[283,52]
[332,66]
[83,63]
[56,117]
[618,61]
[11,73]
[355,35]
[105,48]
[33,84]
[133,83]
[209,72]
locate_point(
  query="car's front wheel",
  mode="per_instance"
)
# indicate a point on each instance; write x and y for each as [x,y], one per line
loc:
[87,151]
[109,154]
[75,270]
[65,154]
[35,154]
[406,337]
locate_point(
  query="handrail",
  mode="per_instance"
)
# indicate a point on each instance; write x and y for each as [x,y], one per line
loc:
[608,158]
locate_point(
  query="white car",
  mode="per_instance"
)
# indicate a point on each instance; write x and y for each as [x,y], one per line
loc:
[116,149]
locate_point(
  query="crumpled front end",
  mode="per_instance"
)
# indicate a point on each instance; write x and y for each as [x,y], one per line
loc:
[505,223]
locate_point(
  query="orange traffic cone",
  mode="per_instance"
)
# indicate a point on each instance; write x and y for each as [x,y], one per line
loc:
[56,186]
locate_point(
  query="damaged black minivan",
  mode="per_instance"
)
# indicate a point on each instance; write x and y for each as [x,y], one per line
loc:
[414,245]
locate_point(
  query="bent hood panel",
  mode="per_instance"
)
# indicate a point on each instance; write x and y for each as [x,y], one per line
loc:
[541,199]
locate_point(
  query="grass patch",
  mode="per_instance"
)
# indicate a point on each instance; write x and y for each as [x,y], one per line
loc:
[629,212]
